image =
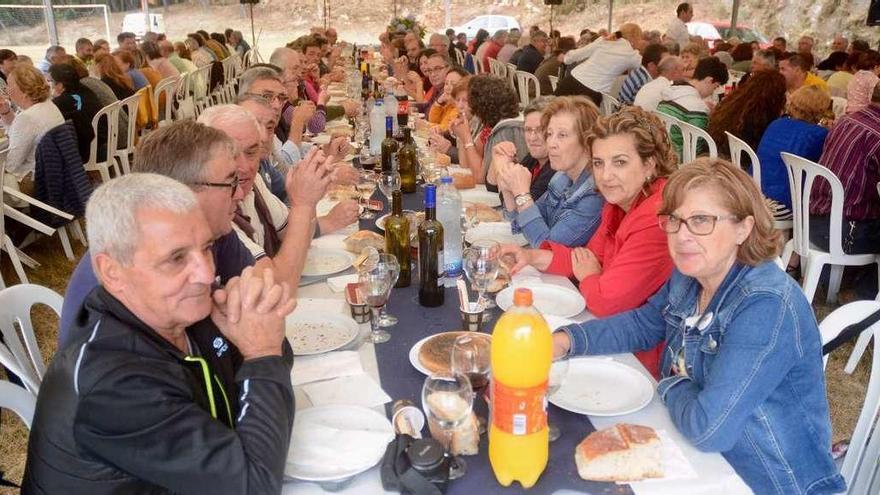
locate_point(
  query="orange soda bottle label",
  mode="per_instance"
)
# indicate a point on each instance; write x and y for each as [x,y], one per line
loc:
[519,411]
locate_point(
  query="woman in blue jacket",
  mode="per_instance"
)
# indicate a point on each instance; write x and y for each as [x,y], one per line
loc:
[742,370]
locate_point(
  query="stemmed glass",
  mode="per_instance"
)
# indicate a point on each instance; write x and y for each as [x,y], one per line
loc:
[376,285]
[558,372]
[389,181]
[389,263]
[481,267]
[470,357]
[448,399]
[366,186]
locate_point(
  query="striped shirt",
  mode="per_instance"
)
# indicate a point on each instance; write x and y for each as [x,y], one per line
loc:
[633,83]
[852,152]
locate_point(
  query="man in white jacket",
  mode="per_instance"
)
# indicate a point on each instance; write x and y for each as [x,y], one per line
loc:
[677,30]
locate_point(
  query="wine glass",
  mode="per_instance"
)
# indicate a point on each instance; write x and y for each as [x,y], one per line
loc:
[389,263]
[481,267]
[375,285]
[389,181]
[470,357]
[366,186]
[558,372]
[448,399]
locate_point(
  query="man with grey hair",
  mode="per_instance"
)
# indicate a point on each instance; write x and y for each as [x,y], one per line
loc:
[511,46]
[167,387]
[839,43]
[805,45]
[491,47]
[236,40]
[531,55]
[763,60]
[669,70]
[51,52]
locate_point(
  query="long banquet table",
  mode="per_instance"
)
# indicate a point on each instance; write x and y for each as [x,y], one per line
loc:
[389,363]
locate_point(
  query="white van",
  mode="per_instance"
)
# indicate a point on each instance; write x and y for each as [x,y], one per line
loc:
[137,24]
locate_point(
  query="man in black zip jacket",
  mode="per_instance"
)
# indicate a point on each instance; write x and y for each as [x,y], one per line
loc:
[166,387]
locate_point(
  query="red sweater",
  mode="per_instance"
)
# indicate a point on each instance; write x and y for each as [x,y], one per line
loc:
[491,51]
[633,252]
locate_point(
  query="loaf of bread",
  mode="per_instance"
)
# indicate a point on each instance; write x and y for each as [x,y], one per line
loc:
[462,178]
[466,436]
[479,212]
[356,242]
[340,193]
[443,160]
[436,353]
[622,452]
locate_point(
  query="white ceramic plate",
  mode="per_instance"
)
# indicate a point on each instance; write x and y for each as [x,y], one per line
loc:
[380,222]
[332,443]
[602,387]
[494,231]
[549,299]
[414,356]
[326,262]
[479,194]
[314,332]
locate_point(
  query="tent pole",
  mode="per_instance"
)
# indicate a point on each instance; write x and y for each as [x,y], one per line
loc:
[610,14]
[733,16]
[50,22]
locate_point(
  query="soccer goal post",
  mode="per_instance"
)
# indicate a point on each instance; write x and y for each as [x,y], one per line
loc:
[17,15]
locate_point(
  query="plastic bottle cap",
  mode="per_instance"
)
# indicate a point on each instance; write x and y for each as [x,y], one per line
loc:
[522,297]
[447,179]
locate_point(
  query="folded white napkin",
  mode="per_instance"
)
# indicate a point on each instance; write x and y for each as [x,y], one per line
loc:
[307,369]
[675,464]
[355,390]
[338,284]
[331,449]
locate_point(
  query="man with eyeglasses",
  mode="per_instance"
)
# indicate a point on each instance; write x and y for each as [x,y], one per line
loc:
[207,161]
[436,68]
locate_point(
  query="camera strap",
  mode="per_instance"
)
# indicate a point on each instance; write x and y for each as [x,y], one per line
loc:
[397,473]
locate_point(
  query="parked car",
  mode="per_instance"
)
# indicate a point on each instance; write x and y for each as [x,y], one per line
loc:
[711,31]
[137,24]
[490,23]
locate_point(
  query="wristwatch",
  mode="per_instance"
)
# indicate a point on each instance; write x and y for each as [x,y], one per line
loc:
[522,199]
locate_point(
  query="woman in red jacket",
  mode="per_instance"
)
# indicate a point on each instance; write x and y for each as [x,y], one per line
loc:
[626,261]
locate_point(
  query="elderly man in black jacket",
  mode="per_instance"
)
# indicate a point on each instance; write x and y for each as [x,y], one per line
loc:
[168,388]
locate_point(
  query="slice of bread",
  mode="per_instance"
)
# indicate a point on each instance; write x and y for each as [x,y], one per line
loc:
[622,452]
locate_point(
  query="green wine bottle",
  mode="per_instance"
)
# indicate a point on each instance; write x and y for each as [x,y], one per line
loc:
[397,238]
[408,162]
[431,253]
[389,145]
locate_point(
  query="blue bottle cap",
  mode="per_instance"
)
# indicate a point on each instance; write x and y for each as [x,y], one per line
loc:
[430,196]
[446,179]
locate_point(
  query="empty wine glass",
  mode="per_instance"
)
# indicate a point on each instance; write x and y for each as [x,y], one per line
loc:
[376,286]
[558,372]
[470,357]
[447,399]
[389,181]
[366,186]
[481,267]
[389,263]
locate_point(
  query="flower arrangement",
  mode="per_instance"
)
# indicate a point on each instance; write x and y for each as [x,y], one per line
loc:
[404,24]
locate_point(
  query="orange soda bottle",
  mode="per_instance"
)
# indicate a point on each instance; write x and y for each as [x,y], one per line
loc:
[521,355]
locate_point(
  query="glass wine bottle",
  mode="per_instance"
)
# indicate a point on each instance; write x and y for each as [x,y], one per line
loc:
[430,253]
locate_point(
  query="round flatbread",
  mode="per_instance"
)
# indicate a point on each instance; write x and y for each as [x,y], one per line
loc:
[436,353]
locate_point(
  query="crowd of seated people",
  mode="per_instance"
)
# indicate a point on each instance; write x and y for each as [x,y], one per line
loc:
[676,260]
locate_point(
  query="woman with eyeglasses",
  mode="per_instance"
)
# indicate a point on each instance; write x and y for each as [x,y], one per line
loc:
[741,372]
[625,261]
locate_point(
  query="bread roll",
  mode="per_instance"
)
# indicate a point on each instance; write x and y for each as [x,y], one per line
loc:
[622,452]
[463,181]
[339,193]
[482,213]
[466,436]
[356,242]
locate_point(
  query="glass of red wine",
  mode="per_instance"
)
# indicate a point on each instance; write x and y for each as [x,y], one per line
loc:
[470,357]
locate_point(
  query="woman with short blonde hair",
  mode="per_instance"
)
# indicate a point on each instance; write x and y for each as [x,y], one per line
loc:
[741,369]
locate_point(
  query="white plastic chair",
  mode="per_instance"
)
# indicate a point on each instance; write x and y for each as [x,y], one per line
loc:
[130,106]
[670,122]
[738,147]
[459,57]
[110,113]
[19,401]
[802,173]
[860,462]
[838,105]
[511,76]
[610,104]
[5,241]
[691,135]
[163,100]
[497,68]
[16,303]
[554,81]
[525,82]
[478,65]
[184,107]
[200,83]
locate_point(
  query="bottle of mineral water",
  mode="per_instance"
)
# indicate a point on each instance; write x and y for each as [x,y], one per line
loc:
[449,214]
[391,107]
[377,127]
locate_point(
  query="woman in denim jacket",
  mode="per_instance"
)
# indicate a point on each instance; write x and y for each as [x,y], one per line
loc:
[569,211]
[742,372]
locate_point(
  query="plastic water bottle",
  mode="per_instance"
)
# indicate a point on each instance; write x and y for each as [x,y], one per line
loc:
[377,128]
[391,106]
[449,214]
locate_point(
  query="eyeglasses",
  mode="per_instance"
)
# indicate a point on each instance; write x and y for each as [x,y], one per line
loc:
[269,96]
[232,185]
[696,224]
[432,70]
[534,130]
